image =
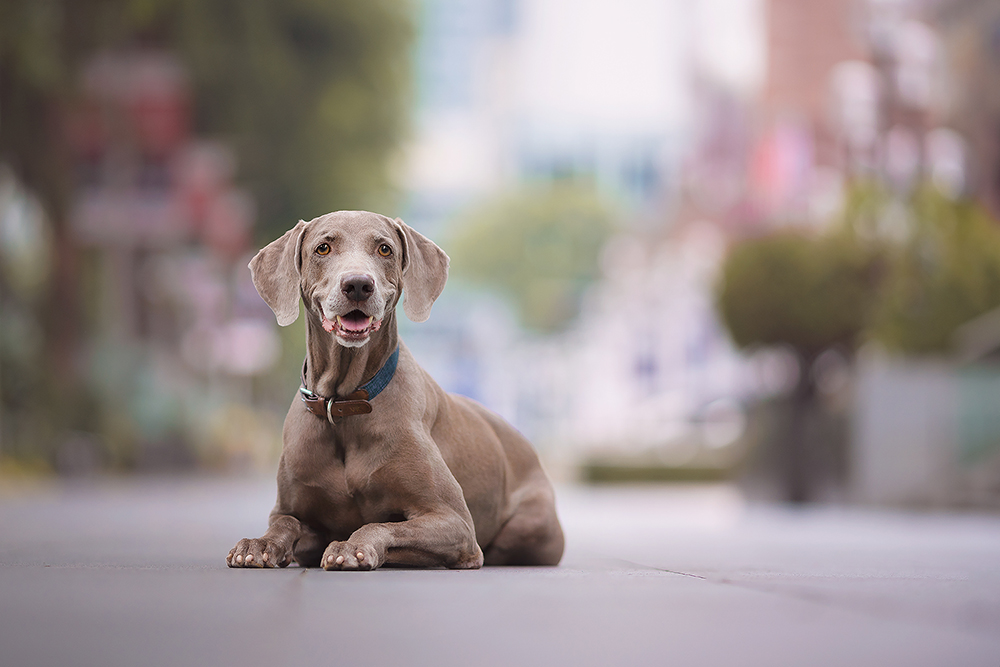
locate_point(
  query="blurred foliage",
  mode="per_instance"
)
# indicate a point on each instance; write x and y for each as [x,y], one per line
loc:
[537,246]
[312,93]
[945,273]
[906,273]
[864,211]
[792,288]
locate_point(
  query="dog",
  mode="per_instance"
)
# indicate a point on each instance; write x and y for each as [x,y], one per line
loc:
[379,465]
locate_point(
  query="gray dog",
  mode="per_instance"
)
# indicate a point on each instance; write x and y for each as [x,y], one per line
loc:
[379,465]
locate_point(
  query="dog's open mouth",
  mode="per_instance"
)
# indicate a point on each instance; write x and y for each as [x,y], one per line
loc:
[354,325]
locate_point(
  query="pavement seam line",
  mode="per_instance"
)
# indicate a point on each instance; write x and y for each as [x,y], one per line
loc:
[822,599]
[663,569]
[810,596]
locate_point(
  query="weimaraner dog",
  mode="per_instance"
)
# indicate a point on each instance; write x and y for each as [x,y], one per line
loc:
[379,465]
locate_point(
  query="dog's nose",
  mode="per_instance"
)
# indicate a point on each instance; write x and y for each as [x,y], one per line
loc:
[357,287]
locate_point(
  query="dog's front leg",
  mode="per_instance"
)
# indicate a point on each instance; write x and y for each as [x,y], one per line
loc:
[273,549]
[431,540]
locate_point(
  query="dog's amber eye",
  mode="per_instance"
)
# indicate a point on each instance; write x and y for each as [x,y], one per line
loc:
[323,249]
[384,250]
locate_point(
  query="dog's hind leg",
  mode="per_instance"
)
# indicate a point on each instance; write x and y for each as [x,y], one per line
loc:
[532,536]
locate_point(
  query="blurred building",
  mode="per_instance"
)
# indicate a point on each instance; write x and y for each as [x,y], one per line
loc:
[702,123]
[970,36]
[896,91]
[853,90]
[596,92]
[800,153]
[510,92]
[926,433]
[173,330]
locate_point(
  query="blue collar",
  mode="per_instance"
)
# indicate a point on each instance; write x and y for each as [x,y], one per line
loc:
[335,409]
[384,376]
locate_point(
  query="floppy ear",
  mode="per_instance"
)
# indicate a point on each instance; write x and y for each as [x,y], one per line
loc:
[275,271]
[425,271]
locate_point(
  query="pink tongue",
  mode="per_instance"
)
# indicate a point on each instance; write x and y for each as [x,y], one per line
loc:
[328,325]
[353,324]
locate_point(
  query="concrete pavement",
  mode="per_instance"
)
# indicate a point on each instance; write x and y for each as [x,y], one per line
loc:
[132,573]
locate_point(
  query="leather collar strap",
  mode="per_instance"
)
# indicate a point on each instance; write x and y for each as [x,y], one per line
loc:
[335,409]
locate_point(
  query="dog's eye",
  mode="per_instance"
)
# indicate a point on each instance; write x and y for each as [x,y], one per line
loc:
[384,250]
[323,249]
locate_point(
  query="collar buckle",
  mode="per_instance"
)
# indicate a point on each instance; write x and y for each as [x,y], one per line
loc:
[337,410]
[358,403]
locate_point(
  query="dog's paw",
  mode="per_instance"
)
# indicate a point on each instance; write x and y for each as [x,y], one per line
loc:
[349,556]
[258,553]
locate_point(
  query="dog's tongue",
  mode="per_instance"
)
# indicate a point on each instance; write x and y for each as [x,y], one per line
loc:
[355,321]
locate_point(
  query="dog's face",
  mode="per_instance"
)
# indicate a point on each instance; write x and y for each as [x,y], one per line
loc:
[351,273]
[350,268]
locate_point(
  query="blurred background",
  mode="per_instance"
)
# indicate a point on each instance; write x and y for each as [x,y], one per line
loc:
[752,241]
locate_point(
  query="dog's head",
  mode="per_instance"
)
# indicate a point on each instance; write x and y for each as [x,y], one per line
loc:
[350,268]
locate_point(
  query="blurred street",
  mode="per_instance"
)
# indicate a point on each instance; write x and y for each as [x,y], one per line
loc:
[750,248]
[132,572]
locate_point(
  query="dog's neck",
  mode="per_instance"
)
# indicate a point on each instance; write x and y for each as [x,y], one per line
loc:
[336,371]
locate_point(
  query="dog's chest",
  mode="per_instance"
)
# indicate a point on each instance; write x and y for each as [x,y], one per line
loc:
[330,489]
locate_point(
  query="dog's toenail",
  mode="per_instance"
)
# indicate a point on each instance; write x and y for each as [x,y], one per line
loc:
[239,559]
[264,558]
[249,558]
[340,559]
[361,556]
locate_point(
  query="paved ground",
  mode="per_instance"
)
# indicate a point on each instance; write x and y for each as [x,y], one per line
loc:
[133,573]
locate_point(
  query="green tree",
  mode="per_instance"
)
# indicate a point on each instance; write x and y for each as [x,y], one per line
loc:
[944,273]
[313,94]
[538,247]
[808,293]
[906,273]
